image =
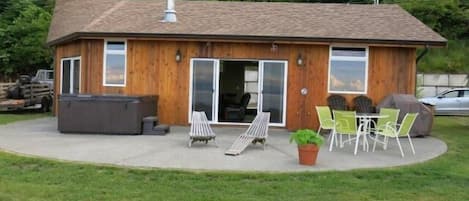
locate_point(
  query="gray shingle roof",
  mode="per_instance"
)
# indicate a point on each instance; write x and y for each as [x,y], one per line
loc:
[211,19]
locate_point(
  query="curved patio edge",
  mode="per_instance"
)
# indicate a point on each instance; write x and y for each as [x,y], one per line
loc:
[40,138]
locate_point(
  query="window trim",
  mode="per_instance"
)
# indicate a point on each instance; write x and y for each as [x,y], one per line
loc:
[72,68]
[115,52]
[345,58]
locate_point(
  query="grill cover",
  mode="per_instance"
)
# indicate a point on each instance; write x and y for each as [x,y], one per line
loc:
[409,104]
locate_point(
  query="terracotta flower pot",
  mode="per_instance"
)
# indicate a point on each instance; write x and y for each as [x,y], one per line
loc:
[308,154]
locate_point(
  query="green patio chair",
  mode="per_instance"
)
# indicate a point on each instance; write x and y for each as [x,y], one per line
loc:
[345,124]
[325,120]
[392,116]
[398,130]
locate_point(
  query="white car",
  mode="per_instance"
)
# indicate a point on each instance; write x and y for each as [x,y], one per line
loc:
[451,102]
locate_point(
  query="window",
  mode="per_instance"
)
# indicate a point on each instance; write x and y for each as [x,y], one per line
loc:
[251,74]
[70,82]
[348,70]
[114,63]
[451,94]
[466,93]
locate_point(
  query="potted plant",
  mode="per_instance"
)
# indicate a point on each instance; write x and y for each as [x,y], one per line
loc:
[308,145]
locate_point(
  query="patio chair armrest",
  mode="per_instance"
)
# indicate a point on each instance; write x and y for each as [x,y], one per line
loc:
[392,126]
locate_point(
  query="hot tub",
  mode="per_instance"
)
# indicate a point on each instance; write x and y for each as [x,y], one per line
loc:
[104,114]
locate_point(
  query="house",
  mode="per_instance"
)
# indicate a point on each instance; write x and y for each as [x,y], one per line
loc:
[205,55]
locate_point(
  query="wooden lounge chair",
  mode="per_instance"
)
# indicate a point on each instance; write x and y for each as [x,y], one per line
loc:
[200,129]
[257,132]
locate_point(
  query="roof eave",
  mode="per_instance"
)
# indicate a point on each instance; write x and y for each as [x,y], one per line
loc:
[77,35]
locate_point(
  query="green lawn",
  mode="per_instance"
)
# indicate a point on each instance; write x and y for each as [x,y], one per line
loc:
[9,117]
[444,178]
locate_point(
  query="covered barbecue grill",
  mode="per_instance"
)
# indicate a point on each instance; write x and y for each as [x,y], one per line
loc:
[409,104]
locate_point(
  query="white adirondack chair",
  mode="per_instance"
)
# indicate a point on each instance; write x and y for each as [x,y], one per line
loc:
[200,129]
[257,132]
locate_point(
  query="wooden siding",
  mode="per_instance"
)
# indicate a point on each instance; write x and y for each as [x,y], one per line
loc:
[152,70]
[63,51]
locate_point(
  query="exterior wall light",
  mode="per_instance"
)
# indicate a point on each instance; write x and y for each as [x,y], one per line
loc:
[274,47]
[300,61]
[178,56]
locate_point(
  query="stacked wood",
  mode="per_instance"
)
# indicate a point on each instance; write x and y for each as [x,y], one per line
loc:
[3,89]
[28,91]
[35,90]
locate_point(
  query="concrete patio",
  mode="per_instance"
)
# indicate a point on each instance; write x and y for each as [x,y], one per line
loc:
[41,138]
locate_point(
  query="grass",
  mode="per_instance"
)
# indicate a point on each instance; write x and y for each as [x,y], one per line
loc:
[9,117]
[444,178]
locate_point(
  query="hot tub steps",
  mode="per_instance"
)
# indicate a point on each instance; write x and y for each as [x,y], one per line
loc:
[151,126]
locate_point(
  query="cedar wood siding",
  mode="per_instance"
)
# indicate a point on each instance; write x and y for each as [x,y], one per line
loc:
[152,69]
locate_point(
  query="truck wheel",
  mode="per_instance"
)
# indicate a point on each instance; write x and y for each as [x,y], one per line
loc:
[45,105]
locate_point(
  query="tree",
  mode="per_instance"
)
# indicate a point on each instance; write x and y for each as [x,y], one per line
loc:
[23,30]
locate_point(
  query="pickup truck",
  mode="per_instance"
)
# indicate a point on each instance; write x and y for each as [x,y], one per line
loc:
[44,77]
[25,94]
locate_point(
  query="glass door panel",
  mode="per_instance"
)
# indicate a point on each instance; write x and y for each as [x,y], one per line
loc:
[203,93]
[273,87]
[76,76]
[66,67]
[70,82]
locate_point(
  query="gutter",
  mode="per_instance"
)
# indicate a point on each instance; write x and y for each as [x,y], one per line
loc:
[78,35]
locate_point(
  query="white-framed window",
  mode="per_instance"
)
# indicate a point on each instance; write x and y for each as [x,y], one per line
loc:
[251,83]
[70,75]
[115,63]
[348,70]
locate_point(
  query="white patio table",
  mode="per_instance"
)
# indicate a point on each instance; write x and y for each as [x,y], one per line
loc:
[366,119]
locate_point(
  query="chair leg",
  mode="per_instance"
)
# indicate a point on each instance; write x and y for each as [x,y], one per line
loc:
[349,141]
[411,145]
[400,147]
[385,145]
[332,140]
[356,144]
[336,140]
[374,144]
[189,144]
[364,142]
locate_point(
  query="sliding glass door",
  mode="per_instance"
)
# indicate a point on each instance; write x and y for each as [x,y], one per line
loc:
[271,97]
[273,86]
[204,87]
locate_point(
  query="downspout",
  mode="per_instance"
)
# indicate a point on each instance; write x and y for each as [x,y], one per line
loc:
[419,57]
[425,51]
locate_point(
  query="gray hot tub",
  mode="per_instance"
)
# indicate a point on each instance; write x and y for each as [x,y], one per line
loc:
[107,114]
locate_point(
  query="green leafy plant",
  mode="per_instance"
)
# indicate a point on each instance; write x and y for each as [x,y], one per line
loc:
[306,136]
